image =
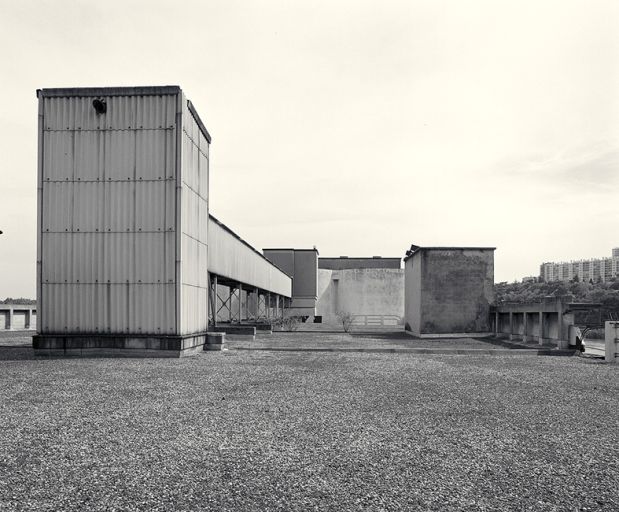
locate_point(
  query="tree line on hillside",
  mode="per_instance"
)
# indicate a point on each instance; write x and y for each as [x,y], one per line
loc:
[20,300]
[607,294]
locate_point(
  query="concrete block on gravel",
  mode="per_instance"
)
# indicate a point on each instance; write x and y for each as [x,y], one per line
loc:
[244,330]
[215,341]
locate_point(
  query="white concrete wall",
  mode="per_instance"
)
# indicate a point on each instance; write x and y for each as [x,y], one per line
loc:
[412,269]
[372,291]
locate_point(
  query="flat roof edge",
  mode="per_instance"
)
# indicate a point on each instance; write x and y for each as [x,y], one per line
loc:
[416,250]
[154,90]
[287,249]
[197,119]
[360,258]
[456,248]
[247,244]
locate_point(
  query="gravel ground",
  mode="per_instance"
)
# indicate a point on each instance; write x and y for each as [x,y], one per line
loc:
[243,430]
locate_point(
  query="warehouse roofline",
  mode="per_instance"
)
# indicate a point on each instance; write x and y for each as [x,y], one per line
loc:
[360,258]
[415,249]
[198,121]
[288,249]
[154,90]
[151,90]
[226,228]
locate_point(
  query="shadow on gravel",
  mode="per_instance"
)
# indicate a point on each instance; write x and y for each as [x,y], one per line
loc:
[399,335]
[16,353]
[393,335]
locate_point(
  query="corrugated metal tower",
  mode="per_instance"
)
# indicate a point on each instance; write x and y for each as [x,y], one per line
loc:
[122,222]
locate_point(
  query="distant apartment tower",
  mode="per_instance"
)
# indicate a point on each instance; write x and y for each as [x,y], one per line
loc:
[599,269]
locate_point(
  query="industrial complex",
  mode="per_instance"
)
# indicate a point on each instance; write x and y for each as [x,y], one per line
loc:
[131,262]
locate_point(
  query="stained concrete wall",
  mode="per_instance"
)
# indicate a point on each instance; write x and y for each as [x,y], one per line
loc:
[344,262]
[370,291]
[412,294]
[449,290]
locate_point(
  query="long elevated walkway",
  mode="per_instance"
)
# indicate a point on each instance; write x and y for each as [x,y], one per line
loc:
[244,285]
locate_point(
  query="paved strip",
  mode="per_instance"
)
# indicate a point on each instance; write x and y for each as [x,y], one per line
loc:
[436,351]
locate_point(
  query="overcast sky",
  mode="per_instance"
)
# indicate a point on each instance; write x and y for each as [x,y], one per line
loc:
[359,127]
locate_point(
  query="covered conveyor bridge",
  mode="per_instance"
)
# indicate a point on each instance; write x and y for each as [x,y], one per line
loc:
[244,285]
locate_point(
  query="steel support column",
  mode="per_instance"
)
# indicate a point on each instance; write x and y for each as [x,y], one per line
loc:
[240,288]
[212,295]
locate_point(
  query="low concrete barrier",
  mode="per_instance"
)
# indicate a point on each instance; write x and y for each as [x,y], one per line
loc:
[611,335]
[237,332]
[263,327]
[215,341]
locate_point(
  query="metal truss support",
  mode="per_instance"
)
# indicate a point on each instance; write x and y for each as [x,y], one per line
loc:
[240,290]
[256,304]
[212,300]
[226,303]
[261,305]
[268,305]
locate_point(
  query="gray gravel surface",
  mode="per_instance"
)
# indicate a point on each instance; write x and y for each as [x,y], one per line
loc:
[301,431]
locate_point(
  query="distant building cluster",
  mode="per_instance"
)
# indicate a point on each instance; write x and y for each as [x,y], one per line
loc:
[599,269]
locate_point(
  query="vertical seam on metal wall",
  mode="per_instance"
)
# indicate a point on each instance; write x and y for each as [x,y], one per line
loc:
[178,292]
[421,259]
[40,215]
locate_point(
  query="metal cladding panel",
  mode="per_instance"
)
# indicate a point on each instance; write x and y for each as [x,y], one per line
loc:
[194,316]
[231,258]
[110,155]
[123,112]
[194,226]
[194,252]
[110,308]
[108,257]
[108,215]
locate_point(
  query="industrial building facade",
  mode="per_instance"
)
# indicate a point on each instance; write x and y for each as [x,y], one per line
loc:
[130,262]
[596,270]
[123,244]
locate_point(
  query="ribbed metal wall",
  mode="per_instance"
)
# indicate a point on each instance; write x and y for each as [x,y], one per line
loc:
[232,258]
[194,225]
[107,245]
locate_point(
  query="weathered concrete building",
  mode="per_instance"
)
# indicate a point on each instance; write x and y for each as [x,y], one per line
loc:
[375,296]
[448,290]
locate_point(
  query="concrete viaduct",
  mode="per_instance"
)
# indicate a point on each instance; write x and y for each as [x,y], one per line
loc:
[551,321]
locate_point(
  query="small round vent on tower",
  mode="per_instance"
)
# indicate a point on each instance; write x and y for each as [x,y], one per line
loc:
[100,106]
